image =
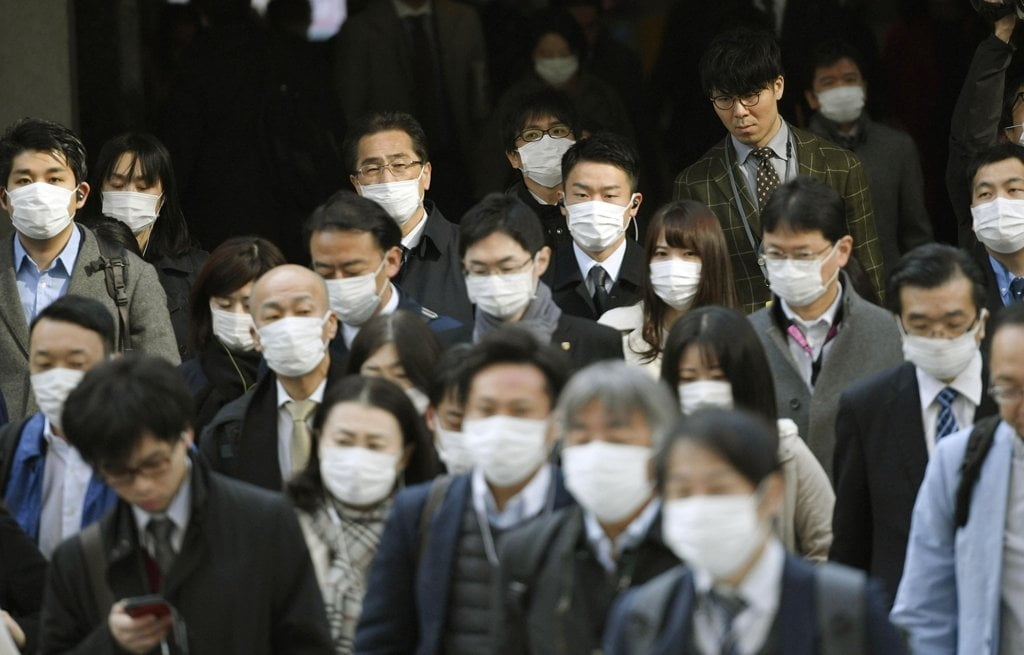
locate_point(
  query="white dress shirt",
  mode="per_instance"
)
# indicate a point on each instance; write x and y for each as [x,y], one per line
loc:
[529,502]
[968,386]
[815,332]
[284,424]
[411,240]
[606,552]
[66,479]
[611,265]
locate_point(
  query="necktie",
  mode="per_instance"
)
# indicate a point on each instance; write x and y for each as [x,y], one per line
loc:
[598,277]
[1017,289]
[767,178]
[727,607]
[946,422]
[300,411]
[163,552]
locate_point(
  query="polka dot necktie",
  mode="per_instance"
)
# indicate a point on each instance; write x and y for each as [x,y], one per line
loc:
[767,178]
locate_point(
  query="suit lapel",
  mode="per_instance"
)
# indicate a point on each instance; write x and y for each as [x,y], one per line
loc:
[11,312]
[907,427]
[434,568]
[724,183]
[88,253]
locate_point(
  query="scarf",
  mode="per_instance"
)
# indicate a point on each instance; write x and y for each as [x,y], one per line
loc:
[540,319]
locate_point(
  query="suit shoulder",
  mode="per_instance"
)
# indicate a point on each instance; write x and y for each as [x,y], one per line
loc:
[876,387]
[586,328]
[245,495]
[700,170]
[835,155]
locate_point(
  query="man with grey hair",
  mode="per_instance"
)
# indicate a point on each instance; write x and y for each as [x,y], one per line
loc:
[560,574]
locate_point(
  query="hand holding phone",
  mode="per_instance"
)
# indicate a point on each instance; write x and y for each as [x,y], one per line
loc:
[145,627]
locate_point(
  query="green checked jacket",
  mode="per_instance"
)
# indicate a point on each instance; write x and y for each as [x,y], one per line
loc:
[707,180]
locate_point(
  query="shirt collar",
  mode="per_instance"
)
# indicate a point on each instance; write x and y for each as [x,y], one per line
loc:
[180,509]
[1002,274]
[65,260]
[529,502]
[827,318]
[968,384]
[612,265]
[317,396]
[634,533]
[778,144]
[57,445]
[760,589]
[411,240]
[349,332]
[405,11]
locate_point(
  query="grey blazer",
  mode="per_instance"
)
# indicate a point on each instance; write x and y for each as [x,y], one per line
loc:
[150,324]
[868,341]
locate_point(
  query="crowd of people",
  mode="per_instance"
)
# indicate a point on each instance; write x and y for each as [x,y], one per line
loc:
[773,416]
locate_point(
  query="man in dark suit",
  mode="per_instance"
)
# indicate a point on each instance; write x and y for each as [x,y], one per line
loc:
[602,268]
[430,589]
[264,436]
[741,74]
[228,559]
[355,247]
[386,154]
[888,424]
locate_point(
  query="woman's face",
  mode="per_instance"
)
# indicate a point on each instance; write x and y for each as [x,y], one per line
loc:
[384,363]
[694,366]
[358,425]
[237,301]
[664,252]
[121,178]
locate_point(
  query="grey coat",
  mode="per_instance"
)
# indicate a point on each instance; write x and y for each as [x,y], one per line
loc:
[868,341]
[149,322]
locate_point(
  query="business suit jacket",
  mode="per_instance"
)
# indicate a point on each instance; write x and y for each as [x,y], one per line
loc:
[868,341]
[406,602]
[585,341]
[147,314]
[432,273]
[707,180]
[569,289]
[949,598]
[796,619]
[22,577]
[241,440]
[242,580]
[880,459]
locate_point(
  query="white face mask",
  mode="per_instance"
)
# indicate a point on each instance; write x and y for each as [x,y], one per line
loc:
[506,448]
[842,104]
[294,345]
[232,329]
[943,359]
[451,447]
[999,224]
[717,534]
[556,71]
[798,282]
[51,389]
[705,393]
[40,210]
[136,210]
[542,160]
[675,281]
[399,199]
[503,295]
[595,224]
[611,480]
[355,299]
[358,476]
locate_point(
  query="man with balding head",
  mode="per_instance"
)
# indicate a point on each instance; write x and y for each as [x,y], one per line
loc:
[264,436]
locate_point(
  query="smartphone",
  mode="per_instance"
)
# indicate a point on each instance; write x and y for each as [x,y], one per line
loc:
[147,605]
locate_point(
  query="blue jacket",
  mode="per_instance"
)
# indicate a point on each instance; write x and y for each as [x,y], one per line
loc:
[405,606]
[23,488]
[797,615]
[948,599]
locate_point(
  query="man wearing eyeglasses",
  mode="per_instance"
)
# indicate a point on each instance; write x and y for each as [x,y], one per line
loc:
[964,574]
[227,561]
[889,424]
[386,154]
[741,72]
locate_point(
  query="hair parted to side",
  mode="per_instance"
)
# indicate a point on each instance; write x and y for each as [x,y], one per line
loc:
[43,136]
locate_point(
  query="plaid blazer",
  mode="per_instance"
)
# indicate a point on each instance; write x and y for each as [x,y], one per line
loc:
[707,180]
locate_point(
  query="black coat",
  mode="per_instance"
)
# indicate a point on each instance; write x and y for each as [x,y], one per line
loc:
[242,582]
[568,594]
[585,341]
[177,274]
[22,577]
[879,464]
[569,289]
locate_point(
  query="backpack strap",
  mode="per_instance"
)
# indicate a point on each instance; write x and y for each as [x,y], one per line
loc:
[841,603]
[114,264]
[96,567]
[979,443]
[435,495]
[645,612]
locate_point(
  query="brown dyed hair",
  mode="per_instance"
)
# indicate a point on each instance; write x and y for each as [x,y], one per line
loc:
[687,224]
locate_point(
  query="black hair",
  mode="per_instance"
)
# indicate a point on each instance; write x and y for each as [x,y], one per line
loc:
[347,211]
[233,264]
[983,435]
[746,441]
[511,344]
[992,155]
[726,338]
[805,204]
[445,380]
[383,121]
[830,52]
[740,61]
[120,402]
[307,489]
[416,346]
[546,102]
[502,213]
[604,148]
[151,161]
[112,231]
[44,136]
[932,265]
[83,312]
[556,20]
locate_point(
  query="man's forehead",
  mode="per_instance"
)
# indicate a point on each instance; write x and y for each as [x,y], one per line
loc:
[39,159]
[999,172]
[387,143]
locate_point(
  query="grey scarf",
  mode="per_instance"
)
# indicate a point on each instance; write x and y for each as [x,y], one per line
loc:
[541,317]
